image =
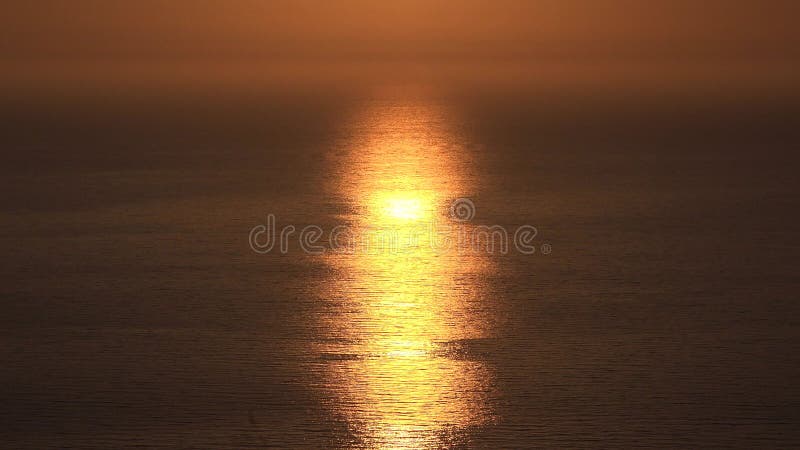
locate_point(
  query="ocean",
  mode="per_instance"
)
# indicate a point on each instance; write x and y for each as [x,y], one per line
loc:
[651,302]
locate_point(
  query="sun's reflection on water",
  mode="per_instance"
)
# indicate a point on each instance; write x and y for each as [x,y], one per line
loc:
[403,373]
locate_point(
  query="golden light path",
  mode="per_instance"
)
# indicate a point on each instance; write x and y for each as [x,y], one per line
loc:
[404,377]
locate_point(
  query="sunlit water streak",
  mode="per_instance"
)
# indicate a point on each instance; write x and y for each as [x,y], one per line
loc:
[400,372]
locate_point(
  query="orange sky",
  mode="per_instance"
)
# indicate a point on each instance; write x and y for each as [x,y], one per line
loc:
[55,39]
[403,28]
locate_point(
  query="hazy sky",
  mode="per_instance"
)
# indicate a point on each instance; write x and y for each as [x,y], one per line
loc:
[402,28]
[61,40]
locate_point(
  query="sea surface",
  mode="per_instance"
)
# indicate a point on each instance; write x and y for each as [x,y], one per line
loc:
[654,305]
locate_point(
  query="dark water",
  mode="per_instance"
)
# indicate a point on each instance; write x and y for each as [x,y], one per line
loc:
[135,313]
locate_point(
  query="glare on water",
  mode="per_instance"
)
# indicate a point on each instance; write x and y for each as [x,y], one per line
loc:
[403,376]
